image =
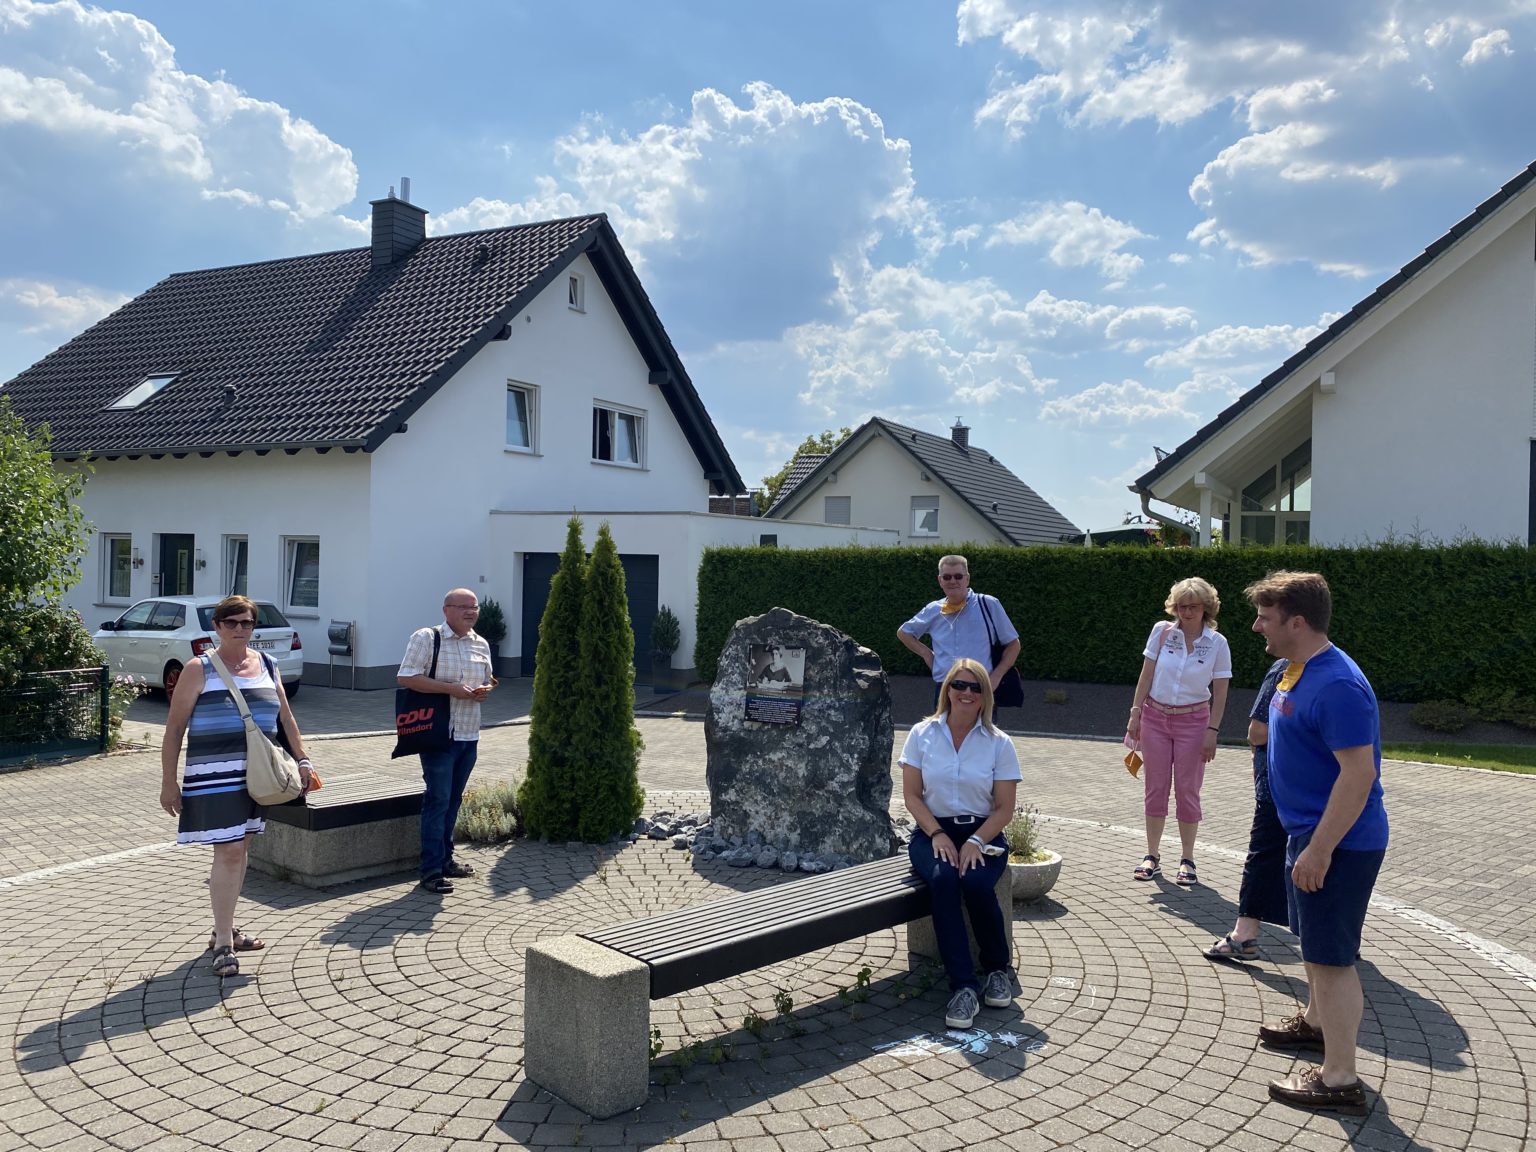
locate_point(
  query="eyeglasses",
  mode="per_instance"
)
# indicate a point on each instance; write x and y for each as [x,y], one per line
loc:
[947,576]
[1195,607]
[464,607]
[246,622]
[964,686]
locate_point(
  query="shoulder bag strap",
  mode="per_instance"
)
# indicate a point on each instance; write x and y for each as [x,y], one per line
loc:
[437,644]
[987,616]
[229,681]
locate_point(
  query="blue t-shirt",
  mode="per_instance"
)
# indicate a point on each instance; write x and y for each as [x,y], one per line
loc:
[1332,707]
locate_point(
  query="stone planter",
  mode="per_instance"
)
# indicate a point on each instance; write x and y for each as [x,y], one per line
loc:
[1032,881]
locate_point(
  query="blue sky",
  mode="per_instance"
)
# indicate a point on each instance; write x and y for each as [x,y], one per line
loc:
[1082,228]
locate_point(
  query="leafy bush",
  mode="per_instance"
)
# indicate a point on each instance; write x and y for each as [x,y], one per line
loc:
[1083,614]
[548,795]
[1442,715]
[1021,833]
[121,692]
[492,622]
[40,638]
[1504,704]
[490,814]
[666,631]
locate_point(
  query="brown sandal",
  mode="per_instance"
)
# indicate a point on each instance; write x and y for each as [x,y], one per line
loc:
[241,942]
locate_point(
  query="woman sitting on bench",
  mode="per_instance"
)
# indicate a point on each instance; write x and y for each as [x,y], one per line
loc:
[959,781]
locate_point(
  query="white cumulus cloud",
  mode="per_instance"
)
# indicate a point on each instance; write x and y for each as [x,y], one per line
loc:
[1075,236]
[1237,344]
[1131,401]
[42,307]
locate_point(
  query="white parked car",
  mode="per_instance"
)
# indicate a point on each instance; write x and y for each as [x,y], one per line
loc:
[156,638]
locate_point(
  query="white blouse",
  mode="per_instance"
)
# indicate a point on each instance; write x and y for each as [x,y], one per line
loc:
[1184,677]
[958,782]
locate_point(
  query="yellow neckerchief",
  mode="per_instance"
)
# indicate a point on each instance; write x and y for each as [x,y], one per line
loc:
[1294,669]
[949,609]
[1291,675]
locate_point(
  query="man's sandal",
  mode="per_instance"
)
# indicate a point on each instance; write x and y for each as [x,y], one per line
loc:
[1148,868]
[224,963]
[1229,947]
[241,942]
[1186,873]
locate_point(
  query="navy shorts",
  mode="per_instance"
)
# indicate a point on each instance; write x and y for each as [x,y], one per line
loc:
[1329,921]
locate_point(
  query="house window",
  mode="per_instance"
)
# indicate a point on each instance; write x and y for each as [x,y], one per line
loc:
[522,417]
[618,437]
[925,515]
[768,540]
[1277,504]
[837,510]
[237,554]
[117,556]
[301,572]
[576,293]
[145,389]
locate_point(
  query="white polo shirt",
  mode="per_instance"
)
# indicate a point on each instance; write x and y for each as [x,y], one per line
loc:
[1184,677]
[959,782]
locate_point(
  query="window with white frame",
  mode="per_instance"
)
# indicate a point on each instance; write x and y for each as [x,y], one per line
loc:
[576,292]
[522,417]
[117,570]
[301,572]
[1277,504]
[237,557]
[925,515]
[838,510]
[618,435]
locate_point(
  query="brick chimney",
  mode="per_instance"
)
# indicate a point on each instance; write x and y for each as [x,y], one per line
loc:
[960,434]
[398,225]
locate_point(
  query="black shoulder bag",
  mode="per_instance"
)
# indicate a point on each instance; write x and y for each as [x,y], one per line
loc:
[1009,692]
[421,718]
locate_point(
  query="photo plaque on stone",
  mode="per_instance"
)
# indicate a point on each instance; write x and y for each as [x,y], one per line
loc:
[775,683]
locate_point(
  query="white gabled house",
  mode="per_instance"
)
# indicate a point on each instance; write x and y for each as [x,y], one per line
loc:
[350,434]
[1414,413]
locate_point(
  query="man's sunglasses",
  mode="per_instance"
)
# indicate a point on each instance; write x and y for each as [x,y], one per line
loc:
[947,576]
[964,686]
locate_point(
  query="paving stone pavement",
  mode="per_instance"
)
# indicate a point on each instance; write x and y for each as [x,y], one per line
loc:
[381,1018]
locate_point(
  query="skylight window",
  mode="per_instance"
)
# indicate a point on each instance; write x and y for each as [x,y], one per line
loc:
[147,388]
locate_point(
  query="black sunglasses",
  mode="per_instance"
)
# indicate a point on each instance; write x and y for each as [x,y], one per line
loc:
[964,686]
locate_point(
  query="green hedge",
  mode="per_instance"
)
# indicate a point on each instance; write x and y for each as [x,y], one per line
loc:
[1423,622]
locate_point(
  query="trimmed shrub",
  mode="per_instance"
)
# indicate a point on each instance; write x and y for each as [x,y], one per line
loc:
[1442,715]
[605,742]
[548,795]
[1404,611]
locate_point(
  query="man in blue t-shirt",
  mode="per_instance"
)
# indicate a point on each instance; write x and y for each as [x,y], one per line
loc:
[1325,778]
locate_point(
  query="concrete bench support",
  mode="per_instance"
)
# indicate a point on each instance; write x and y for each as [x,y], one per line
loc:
[359,825]
[586,1017]
[922,941]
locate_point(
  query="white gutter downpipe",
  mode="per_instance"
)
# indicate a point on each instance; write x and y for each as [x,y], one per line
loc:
[1146,510]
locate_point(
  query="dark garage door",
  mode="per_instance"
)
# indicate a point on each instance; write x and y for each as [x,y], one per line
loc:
[641,587]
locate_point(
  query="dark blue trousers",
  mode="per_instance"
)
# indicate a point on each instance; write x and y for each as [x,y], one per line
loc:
[1262,892]
[445,774]
[976,891]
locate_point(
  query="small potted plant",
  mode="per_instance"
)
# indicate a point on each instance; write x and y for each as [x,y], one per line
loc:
[666,635]
[1034,868]
[492,626]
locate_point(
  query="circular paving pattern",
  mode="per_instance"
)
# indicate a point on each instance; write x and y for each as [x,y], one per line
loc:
[380,1017]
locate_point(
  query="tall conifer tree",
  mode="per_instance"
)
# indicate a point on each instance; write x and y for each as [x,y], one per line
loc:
[607,743]
[549,796]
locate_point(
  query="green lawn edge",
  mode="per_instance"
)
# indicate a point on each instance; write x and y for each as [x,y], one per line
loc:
[1496,757]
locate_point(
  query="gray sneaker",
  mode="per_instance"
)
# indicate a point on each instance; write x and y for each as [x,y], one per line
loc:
[961,1010]
[997,990]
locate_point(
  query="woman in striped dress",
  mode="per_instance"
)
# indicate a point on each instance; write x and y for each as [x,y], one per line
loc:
[211,799]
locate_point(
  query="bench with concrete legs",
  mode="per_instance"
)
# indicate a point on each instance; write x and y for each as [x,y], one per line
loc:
[586,998]
[359,824]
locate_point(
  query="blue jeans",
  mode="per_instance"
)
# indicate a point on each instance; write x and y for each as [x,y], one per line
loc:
[445,775]
[977,891]
[1262,894]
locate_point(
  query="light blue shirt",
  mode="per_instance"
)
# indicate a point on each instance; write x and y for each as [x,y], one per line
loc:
[958,782]
[962,635]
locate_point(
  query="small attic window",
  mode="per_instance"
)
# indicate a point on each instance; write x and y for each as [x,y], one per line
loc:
[146,389]
[575,293]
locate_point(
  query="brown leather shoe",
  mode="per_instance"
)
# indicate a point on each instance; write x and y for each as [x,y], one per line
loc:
[1305,1089]
[1292,1032]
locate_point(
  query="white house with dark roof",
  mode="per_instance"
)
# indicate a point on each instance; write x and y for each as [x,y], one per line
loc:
[927,489]
[1414,413]
[350,434]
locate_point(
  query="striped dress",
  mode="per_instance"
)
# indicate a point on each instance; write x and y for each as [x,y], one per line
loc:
[215,807]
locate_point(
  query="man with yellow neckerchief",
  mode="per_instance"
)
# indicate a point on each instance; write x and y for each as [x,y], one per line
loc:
[1325,778]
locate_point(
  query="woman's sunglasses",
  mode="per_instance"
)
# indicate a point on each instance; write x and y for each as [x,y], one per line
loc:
[964,686]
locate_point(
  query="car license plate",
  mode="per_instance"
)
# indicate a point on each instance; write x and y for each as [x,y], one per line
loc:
[263,643]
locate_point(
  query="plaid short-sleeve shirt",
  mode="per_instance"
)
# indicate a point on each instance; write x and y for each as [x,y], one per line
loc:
[462,660]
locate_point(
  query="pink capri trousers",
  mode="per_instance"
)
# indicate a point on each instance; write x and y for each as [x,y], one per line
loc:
[1171,748]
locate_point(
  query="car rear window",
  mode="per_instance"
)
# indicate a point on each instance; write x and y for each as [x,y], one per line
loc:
[267,616]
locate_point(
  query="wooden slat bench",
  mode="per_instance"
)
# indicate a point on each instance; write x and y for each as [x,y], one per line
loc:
[359,824]
[586,998]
